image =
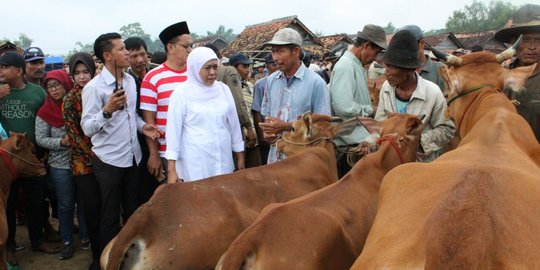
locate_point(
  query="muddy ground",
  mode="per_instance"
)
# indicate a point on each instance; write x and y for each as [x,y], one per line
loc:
[30,260]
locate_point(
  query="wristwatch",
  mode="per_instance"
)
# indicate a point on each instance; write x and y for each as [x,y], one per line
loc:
[106,114]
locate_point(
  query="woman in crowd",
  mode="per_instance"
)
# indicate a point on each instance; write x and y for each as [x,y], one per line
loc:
[51,135]
[82,70]
[202,124]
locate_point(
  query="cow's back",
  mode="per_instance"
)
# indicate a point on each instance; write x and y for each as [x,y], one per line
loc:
[470,209]
[190,225]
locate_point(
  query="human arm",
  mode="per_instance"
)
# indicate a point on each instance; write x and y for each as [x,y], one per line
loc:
[233,81]
[154,165]
[240,160]
[44,138]
[442,129]
[92,120]
[173,137]
[345,87]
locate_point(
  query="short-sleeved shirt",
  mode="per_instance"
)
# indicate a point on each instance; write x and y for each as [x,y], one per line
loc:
[18,110]
[286,99]
[156,88]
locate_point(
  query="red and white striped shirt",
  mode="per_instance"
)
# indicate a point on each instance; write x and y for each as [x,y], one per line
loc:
[156,88]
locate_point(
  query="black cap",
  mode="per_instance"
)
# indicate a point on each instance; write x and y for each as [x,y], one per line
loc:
[239,58]
[173,31]
[12,59]
[33,54]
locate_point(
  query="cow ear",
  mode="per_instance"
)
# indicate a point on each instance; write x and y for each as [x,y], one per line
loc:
[372,125]
[308,119]
[414,126]
[517,76]
[19,141]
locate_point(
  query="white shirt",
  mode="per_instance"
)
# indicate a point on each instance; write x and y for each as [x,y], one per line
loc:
[114,140]
[202,131]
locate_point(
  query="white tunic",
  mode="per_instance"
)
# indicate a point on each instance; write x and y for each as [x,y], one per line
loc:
[202,131]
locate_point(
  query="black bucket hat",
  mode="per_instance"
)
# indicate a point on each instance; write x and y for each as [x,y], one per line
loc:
[402,51]
[525,20]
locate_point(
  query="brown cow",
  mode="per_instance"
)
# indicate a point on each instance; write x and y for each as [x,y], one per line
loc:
[16,160]
[475,207]
[190,225]
[326,229]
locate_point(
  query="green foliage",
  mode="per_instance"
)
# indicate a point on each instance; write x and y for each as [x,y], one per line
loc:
[390,28]
[23,42]
[478,17]
[227,34]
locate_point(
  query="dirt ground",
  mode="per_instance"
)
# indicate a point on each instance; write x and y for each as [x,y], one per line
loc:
[30,260]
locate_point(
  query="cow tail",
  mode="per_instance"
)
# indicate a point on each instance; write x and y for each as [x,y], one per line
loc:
[127,244]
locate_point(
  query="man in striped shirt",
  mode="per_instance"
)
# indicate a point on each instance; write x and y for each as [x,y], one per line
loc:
[158,85]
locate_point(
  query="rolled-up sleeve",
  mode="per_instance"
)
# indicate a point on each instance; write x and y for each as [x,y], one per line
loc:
[442,131]
[92,120]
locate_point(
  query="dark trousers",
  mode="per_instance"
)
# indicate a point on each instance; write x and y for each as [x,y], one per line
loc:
[119,187]
[148,183]
[89,194]
[34,198]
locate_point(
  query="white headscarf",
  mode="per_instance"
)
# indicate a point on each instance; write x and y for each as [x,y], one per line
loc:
[195,61]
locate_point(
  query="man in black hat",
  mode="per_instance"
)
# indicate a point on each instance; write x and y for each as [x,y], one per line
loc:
[349,87]
[35,66]
[158,85]
[17,114]
[429,69]
[405,91]
[241,63]
[526,22]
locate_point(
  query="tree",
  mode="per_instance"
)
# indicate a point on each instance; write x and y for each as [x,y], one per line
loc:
[390,28]
[135,30]
[227,34]
[478,17]
[23,42]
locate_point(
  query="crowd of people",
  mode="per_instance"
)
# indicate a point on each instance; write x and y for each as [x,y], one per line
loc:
[110,134]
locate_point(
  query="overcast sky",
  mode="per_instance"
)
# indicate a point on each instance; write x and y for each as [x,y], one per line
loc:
[56,25]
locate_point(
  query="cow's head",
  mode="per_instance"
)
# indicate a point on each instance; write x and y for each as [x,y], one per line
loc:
[311,130]
[21,152]
[481,68]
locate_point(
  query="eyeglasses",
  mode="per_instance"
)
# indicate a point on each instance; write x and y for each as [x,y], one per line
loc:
[52,86]
[187,47]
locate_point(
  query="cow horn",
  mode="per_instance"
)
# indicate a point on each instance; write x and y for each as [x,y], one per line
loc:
[508,53]
[448,59]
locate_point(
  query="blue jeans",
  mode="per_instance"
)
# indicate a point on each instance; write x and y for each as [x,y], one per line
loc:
[64,188]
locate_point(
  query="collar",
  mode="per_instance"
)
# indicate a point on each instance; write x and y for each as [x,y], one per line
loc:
[419,93]
[298,74]
[349,55]
[8,162]
[107,76]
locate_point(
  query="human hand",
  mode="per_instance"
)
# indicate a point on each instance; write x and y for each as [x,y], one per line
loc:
[362,149]
[172,177]
[116,101]
[4,90]
[65,141]
[154,165]
[152,131]
[251,138]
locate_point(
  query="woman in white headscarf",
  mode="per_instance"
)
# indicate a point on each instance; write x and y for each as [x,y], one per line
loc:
[202,124]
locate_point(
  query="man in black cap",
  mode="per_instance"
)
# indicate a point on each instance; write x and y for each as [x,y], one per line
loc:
[35,66]
[405,91]
[349,85]
[526,22]
[429,69]
[158,85]
[17,114]
[242,63]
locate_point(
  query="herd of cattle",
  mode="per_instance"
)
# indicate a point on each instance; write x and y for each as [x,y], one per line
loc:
[475,207]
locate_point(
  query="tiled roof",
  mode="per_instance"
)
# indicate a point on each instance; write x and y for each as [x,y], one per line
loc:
[485,39]
[329,41]
[254,36]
